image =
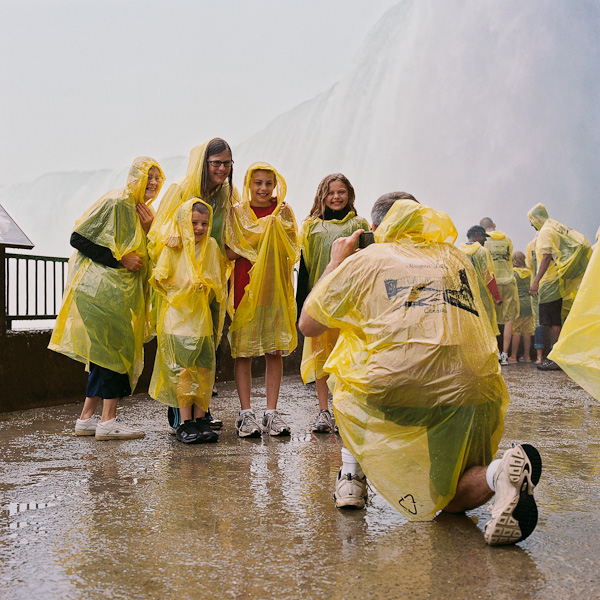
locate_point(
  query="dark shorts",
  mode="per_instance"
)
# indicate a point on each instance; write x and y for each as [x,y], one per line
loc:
[106,383]
[550,313]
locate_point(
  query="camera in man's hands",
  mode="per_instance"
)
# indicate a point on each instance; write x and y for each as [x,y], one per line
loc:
[365,239]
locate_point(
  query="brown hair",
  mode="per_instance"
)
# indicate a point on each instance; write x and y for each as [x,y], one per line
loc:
[518,259]
[318,207]
[201,208]
[215,146]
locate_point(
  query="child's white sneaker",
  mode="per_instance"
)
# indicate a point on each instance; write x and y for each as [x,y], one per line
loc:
[86,426]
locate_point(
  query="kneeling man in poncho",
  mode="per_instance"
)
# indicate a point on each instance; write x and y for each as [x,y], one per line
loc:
[417,391]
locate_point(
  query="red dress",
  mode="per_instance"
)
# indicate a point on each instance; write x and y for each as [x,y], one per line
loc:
[241,271]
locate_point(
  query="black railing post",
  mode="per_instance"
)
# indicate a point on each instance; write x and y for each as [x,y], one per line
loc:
[2,291]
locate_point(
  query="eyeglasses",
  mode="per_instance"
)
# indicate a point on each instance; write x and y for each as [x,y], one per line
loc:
[218,163]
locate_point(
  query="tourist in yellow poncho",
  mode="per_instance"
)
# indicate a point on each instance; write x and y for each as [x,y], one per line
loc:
[562,257]
[189,278]
[577,351]
[501,249]
[481,259]
[417,390]
[332,216]
[523,324]
[102,319]
[209,176]
[262,233]
[538,330]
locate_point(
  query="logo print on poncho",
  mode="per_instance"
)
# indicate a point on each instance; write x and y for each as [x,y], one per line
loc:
[431,294]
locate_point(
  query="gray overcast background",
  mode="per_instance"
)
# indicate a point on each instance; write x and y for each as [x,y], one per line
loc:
[87,84]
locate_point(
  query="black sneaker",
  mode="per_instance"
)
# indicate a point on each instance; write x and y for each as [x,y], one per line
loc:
[548,365]
[214,423]
[205,432]
[188,433]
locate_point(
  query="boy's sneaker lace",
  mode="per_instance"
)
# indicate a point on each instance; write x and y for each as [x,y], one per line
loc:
[514,512]
[86,426]
[113,430]
[246,425]
[324,422]
[350,491]
[273,424]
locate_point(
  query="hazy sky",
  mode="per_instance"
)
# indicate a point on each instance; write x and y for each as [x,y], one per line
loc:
[89,84]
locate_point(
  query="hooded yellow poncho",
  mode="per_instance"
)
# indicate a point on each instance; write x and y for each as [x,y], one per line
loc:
[189,187]
[501,249]
[190,283]
[102,318]
[316,238]
[481,259]
[265,320]
[417,389]
[570,252]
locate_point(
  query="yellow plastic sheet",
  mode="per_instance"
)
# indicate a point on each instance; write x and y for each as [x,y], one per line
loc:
[501,249]
[316,238]
[531,262]
[481,259]
[523,279]
[570,252]
[102,319]
[265,320]
[577,351]
[189,279]
[418,393]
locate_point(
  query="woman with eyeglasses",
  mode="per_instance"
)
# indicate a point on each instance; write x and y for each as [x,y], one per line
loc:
[209,176]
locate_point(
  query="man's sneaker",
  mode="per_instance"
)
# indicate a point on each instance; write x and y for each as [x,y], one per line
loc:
[273,424]
[503,359]
[350,491]
[213,422]
[246,425]
[324,422]
[514,512]
[113,430]
[548,365]
[86,426]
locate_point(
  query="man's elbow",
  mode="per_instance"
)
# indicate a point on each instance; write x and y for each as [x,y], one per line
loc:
[309,327]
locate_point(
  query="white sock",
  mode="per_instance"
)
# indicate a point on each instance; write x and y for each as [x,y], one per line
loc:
[270,411]
[350,465]
[491,471]
[107,422]
[245,411]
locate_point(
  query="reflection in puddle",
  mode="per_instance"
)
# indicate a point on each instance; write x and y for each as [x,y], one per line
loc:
[14,508]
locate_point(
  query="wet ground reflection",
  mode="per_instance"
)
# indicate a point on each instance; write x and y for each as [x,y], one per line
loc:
[253,519]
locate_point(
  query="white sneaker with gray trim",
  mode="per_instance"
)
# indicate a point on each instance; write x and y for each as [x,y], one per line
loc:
[246,425]
[350,491]
[113,430]
[273,424]
[514,511]
[86,426]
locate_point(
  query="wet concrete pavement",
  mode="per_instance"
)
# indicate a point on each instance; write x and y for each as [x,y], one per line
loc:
[250,519]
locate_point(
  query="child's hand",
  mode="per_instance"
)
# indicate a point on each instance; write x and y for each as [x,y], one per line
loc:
[174,241]
[146,216]
[132,262]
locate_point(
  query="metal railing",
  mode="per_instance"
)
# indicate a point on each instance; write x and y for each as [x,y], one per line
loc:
[34,286]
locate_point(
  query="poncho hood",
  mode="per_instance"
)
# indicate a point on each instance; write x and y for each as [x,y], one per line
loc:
[538,215]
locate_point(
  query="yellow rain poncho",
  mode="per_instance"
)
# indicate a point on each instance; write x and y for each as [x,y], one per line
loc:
[265,320]
[577,351]
[523,279]
[316,238]
[481,259]
[501,249]
[189,280]
[417,389]
[570,252]
[220,201]
[102,319]
[531,262]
